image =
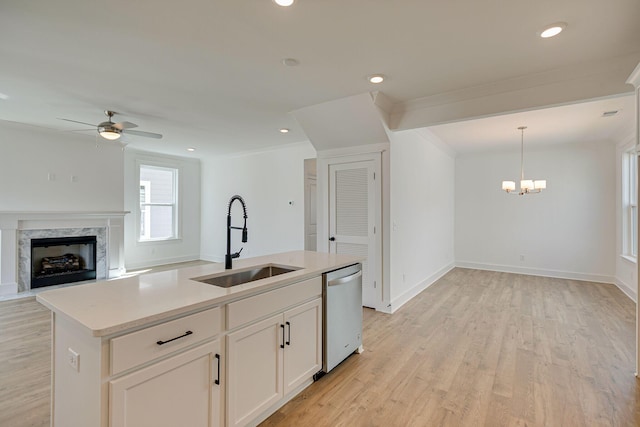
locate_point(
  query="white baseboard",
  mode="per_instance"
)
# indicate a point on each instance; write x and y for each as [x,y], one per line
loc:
[537,272]
[212,258]
[8,288]
[627,290]
[115,273]
[407,295]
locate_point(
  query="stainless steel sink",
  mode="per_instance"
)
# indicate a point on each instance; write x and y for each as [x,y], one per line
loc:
[239,277]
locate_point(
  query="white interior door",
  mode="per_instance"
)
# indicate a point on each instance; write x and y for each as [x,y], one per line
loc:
[353,220]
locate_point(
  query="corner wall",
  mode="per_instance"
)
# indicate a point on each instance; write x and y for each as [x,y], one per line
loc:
[568,230]
[422,212]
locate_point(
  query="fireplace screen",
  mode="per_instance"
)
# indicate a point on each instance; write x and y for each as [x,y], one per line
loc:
[62,260]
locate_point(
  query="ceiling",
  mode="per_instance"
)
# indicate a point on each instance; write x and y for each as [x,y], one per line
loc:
[209,74]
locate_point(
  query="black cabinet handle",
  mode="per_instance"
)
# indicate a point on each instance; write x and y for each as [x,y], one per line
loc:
[282,345]
[217,380]
[332,239]
[289,336]
[173,339]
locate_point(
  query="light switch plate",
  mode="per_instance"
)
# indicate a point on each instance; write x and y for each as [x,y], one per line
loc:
[74,359]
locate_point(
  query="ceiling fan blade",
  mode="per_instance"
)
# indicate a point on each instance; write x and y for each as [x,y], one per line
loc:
[27,124]
[75,121]
[141,133]
[125,125]
[78,130]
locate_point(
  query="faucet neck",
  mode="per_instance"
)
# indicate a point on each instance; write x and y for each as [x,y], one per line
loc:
[229,256]
[241,200]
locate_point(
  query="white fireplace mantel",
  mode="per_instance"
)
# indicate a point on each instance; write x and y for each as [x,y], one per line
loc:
[11,223]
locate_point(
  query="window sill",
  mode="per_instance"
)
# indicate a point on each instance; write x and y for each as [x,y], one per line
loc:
[629,258]
[157,241]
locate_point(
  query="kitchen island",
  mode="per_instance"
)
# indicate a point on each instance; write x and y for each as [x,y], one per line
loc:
[168,349]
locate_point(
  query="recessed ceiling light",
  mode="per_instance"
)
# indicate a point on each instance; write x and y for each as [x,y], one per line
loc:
[191,149]
[553,30]
[290,62]
[375,78]
[284,3]
[284,130]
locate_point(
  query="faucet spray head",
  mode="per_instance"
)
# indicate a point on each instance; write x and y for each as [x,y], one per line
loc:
[244,235]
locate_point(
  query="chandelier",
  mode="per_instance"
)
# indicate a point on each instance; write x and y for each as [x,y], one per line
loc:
[527,186]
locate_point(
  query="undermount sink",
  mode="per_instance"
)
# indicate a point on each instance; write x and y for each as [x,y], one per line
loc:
[239,277]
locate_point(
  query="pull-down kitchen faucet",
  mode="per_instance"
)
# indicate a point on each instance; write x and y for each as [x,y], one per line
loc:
[229,256]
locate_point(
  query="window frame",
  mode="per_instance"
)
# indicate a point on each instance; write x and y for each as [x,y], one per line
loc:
[176,204]
[630,205]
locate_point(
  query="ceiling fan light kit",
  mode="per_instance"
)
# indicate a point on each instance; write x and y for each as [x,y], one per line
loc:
[109,134]
[107,130]
[527,186]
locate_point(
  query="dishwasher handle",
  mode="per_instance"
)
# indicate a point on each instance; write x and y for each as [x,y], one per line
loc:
[341,280]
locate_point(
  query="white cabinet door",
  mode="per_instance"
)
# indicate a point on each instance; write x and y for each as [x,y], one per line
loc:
[303,343]
[179,391]
[254,366]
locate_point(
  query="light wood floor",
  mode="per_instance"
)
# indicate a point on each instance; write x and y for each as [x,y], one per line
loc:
[475,349]
[484,348]
[25,363]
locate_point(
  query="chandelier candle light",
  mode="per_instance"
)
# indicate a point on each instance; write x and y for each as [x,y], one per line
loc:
[527,186]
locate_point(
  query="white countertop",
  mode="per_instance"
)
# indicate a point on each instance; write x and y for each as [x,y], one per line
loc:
[113,306]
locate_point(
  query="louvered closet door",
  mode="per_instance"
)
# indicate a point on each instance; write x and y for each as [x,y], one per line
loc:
[352,218]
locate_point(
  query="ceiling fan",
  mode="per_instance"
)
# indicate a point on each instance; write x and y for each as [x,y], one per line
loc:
[112,131]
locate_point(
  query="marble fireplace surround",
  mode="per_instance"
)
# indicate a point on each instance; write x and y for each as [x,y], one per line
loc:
[18,228]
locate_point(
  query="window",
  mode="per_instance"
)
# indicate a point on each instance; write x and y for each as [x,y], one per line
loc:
[158,203]
[630,203]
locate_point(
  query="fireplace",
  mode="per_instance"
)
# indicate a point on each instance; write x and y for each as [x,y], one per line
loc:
[17,229]
[62,260]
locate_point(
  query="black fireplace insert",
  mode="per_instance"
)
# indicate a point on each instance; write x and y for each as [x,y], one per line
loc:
[60,260]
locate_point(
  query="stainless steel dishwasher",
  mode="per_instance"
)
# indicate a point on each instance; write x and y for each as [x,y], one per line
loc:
[342,309]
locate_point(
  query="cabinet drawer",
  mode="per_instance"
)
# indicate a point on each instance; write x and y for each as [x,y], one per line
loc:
[147,344]
[253,308]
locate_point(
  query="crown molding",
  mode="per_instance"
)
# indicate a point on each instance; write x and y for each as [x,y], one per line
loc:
[634,78]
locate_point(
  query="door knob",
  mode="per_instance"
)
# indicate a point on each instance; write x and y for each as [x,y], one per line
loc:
[332,239]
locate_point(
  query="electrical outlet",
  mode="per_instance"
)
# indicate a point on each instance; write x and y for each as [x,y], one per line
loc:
[74,359]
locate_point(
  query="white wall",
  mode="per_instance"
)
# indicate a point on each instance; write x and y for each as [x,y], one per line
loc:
[626,274]
[569,230]
[422,212]
[267,181]
[187,247]
[29,154]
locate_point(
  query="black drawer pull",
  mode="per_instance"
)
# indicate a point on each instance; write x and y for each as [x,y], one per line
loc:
[289,335]
[173,339]
[217,381]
